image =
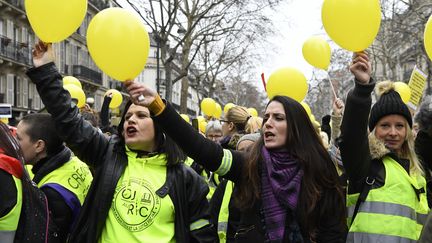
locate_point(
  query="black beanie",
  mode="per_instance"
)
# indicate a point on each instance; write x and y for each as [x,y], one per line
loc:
[390,103]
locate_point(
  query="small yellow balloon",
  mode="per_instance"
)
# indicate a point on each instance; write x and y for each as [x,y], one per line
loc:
[200,118]
[287,82]
[218,111]
[208,106]
[76,93]
[5,120]
[317,52]
[403,90]
[227,107]
[116,98]
[71,80]
[118,42]
[252,111]
[345,22]
[307,108]
[202,126]
[428,38]
[185,117]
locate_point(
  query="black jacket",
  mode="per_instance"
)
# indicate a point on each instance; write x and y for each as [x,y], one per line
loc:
[251,228]
[185,188]
[61,213]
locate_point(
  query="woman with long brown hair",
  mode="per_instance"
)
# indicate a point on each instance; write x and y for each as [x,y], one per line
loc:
[288,188]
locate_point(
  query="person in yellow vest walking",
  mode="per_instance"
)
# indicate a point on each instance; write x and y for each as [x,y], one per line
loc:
[63,178]
[387,199]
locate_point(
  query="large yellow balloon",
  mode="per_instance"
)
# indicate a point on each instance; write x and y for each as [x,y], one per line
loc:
[352,24]
[317,52]
[116,98]
[208,106]
[55,20]
[218,112]
[428,38]
[403,90]
[307,108]
[202,126]
[287,82]
[118,43]
[252,111]
[71,80]
[227,107]
[76,93]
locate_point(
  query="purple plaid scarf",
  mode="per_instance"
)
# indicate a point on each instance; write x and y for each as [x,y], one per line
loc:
[280,185]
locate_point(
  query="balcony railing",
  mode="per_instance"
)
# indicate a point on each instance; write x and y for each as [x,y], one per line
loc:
[19,52]
[86,73]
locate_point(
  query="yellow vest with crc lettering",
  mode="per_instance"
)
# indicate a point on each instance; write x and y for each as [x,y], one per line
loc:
[9,222]
[137,213]
[393,212]
[74,175]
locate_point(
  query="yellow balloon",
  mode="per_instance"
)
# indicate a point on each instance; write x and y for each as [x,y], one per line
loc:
[118,43]
[287,82]
[71,80]
[76,93]
[252,111]
[218,111]
[116,98]
[227,107]
[185,117]
[55,20]
[404,91]
[202,126]
[307,108]
[428,38]
[317,52]
[208,106]
[346,23]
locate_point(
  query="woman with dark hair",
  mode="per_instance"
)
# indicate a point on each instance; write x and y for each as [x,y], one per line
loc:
[24,215]
[141,191]
[288,188]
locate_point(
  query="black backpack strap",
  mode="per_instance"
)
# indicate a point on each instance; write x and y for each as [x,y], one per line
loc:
[367,186]
[376,166]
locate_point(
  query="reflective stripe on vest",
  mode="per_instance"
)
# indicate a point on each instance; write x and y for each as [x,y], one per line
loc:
[9,222]
[391,213]
[367,237]
[224,212]
[74,175]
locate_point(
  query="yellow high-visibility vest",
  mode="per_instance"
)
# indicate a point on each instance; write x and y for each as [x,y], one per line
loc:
[393,212]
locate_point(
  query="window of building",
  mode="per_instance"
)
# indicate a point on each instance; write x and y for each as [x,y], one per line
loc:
[1,27]
[2,88]
[10,89]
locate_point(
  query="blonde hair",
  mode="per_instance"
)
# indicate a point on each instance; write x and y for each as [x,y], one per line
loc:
[239,116]
[254,124]
[407,151]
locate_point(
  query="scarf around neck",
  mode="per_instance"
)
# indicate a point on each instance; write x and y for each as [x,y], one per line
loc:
[280,184]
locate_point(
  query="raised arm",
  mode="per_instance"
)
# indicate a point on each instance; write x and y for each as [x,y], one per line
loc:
[224,162]
[354,145]
[84,140]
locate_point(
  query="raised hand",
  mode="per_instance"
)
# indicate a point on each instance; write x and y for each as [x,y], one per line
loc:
[361,67]
[136,89]
[42,53]
[338,106]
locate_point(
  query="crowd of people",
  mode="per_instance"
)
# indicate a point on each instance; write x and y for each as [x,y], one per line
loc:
[362,175]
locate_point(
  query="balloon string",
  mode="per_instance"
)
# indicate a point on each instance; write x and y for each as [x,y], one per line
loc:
[331,85]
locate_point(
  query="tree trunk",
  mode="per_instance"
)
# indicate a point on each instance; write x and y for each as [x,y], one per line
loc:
[185,80]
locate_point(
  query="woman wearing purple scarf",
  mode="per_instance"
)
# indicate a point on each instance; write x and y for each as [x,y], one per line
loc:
[287,186]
